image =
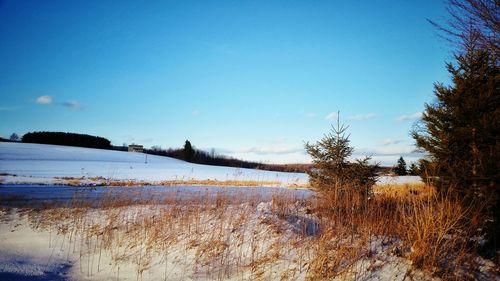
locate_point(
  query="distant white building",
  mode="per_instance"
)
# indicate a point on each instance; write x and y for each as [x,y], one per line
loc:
[135,148]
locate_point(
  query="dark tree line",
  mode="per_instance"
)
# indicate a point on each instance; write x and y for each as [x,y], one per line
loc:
[70,139]
[190,154]
[187,153]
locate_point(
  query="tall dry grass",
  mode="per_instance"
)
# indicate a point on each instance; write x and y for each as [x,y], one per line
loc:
[241,236]
[432,232]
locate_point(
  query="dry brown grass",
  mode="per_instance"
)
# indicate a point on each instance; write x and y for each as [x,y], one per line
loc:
[439,234]
[241,237]
[245,183]
[82,181]
[430,232]
[405,190]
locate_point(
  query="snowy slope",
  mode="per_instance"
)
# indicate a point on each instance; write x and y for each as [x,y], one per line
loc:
[40,162]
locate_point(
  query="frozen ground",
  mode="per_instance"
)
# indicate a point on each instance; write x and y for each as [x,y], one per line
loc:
[47,164]
[255,235]
[19,195]
[39,163]
[233,242]
[221,240]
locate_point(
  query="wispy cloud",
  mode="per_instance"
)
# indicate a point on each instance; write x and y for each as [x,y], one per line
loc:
[44,100]
[388,151]
[262,150]
[71,104]
[49,100]
[388,155]
[311,115]
[195,113]
[362,116]
[7,108]
[266,150]
[410,117]
[390,142]
[332,116]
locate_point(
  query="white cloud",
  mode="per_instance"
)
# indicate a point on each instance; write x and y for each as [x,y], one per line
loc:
[311,115]
[332,116]
[387,151]
[48,100]
[44,100]
[388,155]
[410,117]
[390,141]
[195,113]
[263,150]
[362,116]
[71,104]
[266,150]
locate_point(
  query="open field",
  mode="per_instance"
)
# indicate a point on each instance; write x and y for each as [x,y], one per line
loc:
[53,164]
[146,222]
[241,235]
[22,163]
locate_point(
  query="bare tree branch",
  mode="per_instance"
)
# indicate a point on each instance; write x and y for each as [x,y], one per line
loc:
[479,19]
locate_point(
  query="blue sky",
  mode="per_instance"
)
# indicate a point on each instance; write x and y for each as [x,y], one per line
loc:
[252,79]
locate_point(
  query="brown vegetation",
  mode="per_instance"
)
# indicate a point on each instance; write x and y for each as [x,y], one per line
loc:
[336,235]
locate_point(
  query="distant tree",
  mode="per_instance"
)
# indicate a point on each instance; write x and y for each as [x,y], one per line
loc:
[413,170]
[188,151]
[14,137]
[332,170]
[156,148]
[400,168]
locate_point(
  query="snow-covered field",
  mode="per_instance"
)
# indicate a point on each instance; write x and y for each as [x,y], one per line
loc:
[229,233]
[39,163]
[231,241]
[47,164]
[222,239]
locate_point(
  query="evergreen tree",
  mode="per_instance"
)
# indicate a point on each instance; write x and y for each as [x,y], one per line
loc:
[413,170]
[460,135]
[400,168]
[460,131]
[14,137]
[332,170]
[188,151]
